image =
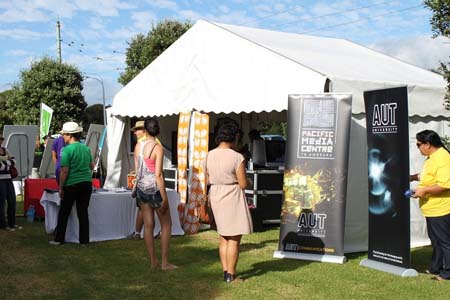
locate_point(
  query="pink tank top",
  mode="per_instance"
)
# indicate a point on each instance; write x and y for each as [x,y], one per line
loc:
[151,164]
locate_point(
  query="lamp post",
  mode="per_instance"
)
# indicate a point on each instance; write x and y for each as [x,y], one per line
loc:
[100,79]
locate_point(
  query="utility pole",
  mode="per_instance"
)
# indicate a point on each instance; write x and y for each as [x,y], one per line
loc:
[58,40]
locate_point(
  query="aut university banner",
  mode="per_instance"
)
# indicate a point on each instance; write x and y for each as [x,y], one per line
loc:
[388,166]
[315,178]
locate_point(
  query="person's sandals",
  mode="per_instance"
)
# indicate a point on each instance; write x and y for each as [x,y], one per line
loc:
[134,236]
[13,228]
[438,278]
[169,267]
[232,278]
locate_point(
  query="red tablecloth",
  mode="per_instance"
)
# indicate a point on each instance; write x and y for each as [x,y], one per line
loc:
[33,192]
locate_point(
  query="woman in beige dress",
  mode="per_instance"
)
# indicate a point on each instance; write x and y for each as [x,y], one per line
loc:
[225,172]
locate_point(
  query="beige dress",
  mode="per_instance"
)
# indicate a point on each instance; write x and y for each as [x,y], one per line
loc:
[228,202]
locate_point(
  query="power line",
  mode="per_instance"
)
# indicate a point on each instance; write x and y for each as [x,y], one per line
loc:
[332,14]
[82,50]
[362,19]
[268,16]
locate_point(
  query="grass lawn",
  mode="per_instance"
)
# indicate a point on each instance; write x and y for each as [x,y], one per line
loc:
[32,269]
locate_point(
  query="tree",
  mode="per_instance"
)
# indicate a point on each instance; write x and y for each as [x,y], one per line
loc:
[440,25]
[5,119]
[92,115]
[143,50]
[57,85]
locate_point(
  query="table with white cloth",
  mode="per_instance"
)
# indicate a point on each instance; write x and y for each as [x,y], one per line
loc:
[112,215]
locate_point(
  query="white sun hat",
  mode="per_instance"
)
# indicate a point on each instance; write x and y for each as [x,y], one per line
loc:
[71,127]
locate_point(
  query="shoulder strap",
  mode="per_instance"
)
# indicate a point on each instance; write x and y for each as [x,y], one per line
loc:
[152,149]
[141,155]
[141,158]
[144,143]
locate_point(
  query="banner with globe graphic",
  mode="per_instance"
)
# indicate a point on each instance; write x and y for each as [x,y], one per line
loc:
[315,177]
[388,167]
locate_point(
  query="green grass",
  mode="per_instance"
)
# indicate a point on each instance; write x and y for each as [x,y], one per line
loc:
[19,205]
[32,269]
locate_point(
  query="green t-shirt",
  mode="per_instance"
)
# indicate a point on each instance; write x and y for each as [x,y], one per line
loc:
[78,158]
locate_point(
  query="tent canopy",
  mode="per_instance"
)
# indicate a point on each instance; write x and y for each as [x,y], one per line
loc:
[230,69]
[224,68]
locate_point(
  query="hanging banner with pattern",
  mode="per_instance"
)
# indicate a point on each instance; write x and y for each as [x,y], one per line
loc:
[182,152]
[198,149]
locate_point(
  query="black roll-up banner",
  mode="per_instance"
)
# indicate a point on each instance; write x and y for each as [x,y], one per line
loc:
[388,166]
[315,178]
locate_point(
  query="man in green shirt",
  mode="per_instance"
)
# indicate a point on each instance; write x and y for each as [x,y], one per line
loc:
[75,183]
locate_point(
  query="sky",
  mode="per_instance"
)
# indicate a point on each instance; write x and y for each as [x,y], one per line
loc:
[95,33]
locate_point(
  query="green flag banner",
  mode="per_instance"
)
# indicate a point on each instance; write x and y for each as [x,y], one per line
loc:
[46,118]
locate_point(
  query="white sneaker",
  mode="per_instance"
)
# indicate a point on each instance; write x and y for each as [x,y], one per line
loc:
[10,229]
[55,243]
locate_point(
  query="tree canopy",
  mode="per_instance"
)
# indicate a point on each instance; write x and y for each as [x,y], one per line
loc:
[5,119]
[92,115]
[143,49]
[57,85]
[440,25]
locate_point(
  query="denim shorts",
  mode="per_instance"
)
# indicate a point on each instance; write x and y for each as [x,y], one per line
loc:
[154,200]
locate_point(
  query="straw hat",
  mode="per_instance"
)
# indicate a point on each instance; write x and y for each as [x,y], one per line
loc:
[71,127]
[138,125]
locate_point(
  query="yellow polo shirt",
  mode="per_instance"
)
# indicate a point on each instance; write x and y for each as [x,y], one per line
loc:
[436,171]
[144,137]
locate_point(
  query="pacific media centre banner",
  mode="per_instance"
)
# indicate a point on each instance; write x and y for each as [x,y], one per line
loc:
[315,178]
[388,166]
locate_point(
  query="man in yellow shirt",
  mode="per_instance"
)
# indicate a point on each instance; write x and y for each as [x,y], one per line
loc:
[434,194]
[139,132]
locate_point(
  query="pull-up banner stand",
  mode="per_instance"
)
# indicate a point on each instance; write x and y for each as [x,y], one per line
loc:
[388,166]
[315,178]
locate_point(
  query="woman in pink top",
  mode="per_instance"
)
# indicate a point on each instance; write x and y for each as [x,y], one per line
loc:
[152,154]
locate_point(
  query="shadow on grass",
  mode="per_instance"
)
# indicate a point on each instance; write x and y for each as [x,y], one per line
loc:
[276,265]
[253,246]
[420,258]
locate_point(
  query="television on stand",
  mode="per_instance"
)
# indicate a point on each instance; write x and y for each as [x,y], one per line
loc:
[268,154]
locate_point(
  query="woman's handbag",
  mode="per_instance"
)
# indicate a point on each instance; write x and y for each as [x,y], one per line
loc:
[131,180]
[205,215]
[13,171]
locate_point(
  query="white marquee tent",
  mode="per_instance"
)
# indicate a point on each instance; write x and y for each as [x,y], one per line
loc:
[243,71]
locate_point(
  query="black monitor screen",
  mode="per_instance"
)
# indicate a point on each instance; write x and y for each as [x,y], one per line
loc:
[275,151]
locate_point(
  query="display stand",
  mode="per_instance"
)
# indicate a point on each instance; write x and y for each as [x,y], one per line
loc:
[314,257]
[399,271]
